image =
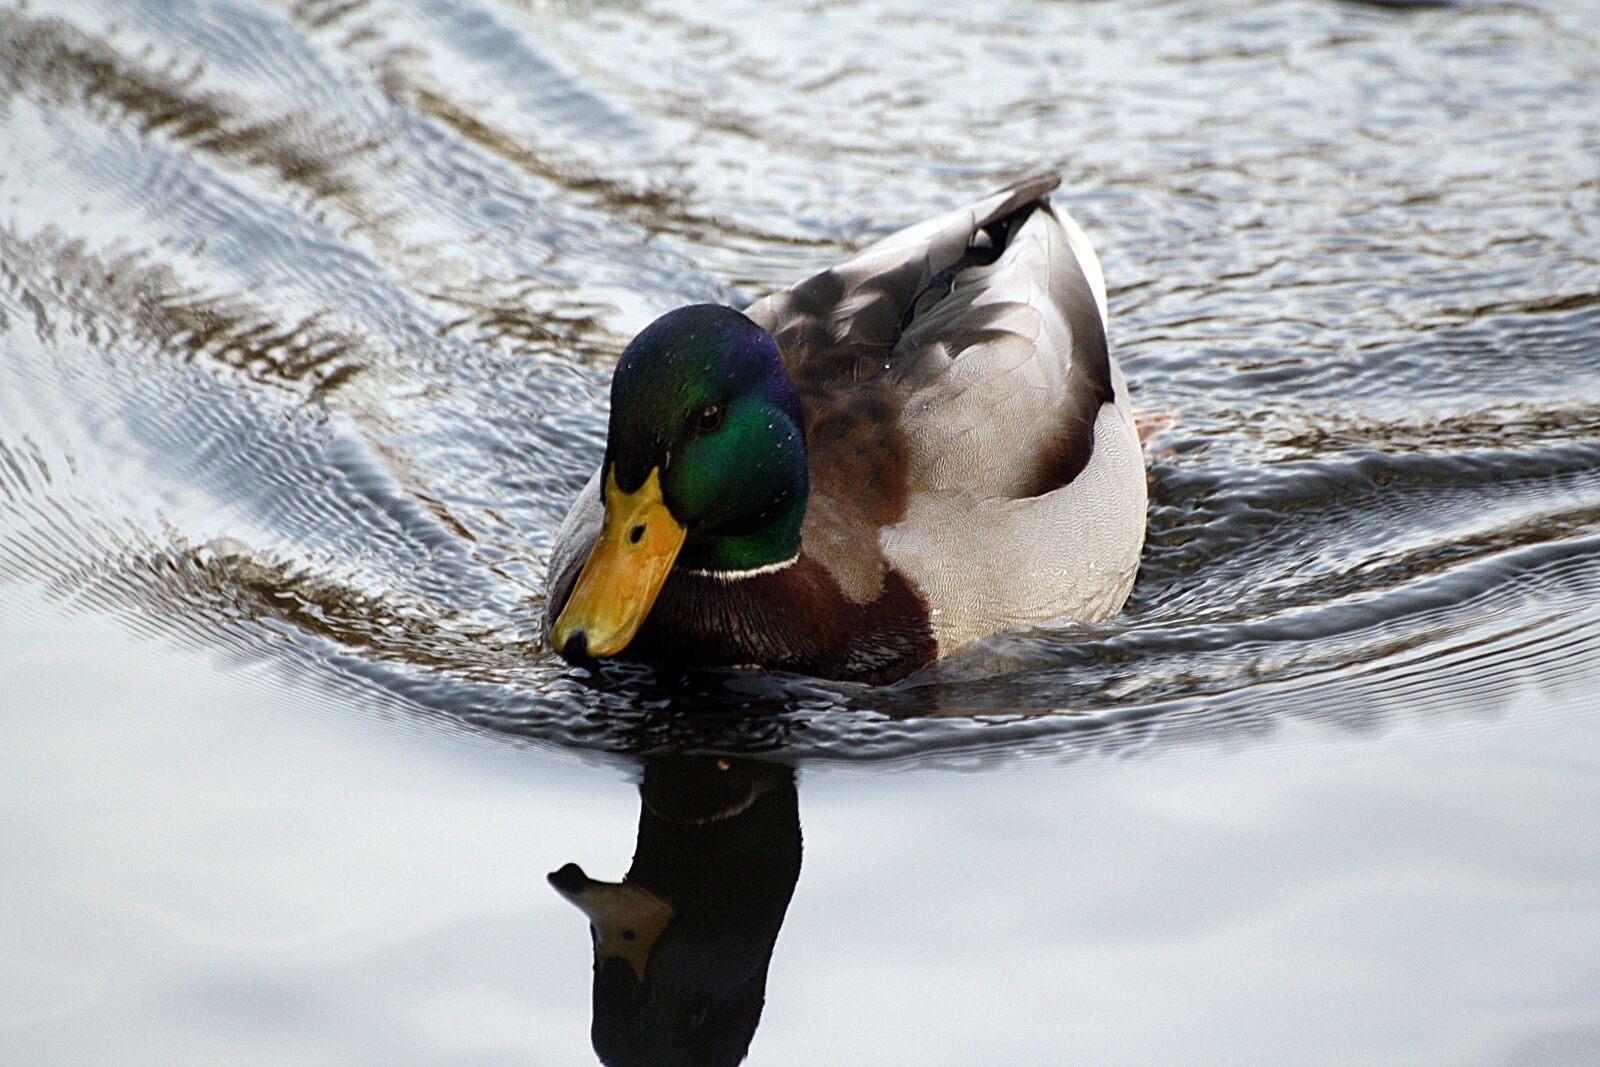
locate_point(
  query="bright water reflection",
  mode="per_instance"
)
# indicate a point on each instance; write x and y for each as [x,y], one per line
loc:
[212,868]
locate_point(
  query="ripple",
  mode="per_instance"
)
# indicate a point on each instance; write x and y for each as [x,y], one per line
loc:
[307,314]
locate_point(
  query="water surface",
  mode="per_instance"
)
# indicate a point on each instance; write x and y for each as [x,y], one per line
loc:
[307,314]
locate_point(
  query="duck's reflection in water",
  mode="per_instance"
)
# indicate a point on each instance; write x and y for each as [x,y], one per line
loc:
[682,944]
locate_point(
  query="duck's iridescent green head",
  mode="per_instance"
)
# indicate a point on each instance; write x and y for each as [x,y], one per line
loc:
[701,395]
[705,468]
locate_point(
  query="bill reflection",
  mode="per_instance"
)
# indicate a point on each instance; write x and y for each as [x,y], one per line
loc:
[682,944]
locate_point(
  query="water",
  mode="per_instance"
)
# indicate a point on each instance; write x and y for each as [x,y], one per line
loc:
[307,313]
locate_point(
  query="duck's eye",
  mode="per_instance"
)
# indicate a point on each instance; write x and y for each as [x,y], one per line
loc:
[709,419]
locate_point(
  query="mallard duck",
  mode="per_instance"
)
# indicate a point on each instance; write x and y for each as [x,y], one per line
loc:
[921,446]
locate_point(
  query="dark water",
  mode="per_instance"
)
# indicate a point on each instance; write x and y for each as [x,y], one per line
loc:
[307,313]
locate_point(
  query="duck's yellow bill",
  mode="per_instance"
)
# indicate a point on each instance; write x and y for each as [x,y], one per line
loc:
[619,584]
